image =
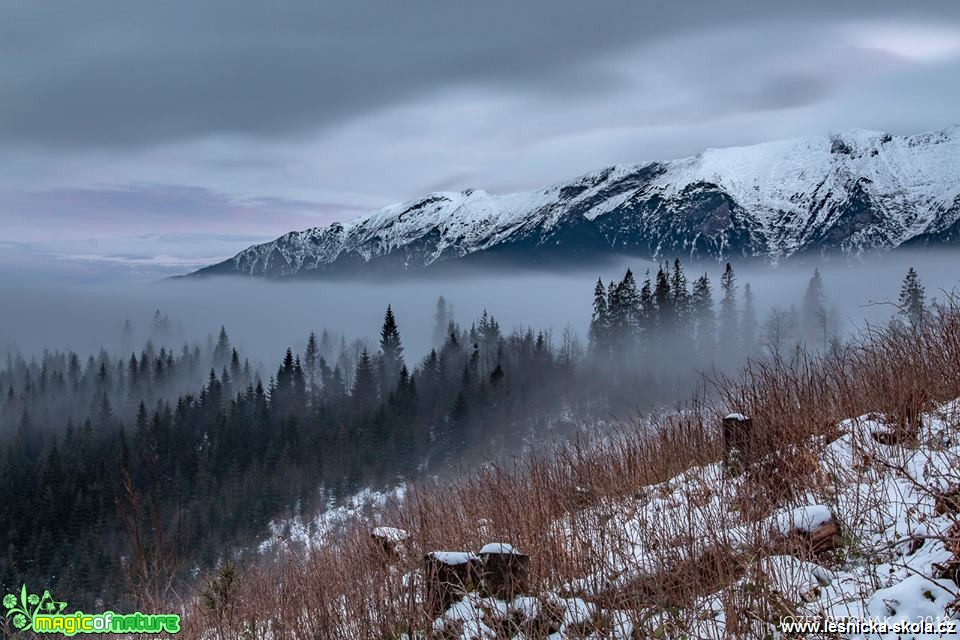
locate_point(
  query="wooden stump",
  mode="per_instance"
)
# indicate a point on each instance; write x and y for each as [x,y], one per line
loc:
[737,435]
[389,540]
[906,419]
[448,575]
[505,571]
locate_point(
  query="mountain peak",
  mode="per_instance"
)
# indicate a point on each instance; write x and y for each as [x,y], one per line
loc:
[849,192]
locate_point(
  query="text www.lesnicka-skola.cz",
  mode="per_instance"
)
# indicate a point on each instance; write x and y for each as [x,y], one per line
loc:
[938,625]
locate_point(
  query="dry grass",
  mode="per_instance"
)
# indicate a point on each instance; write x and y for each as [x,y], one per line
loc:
[350,589]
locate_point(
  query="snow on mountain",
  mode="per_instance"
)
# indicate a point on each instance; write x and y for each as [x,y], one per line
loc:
[852,192]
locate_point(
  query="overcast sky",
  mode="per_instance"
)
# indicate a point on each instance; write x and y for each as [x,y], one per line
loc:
[142,138]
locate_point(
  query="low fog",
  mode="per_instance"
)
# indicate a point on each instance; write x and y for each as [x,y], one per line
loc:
[263,318]
[196,430]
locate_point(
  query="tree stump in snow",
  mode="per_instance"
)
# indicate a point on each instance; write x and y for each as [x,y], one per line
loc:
[906,419]
[737,436]
[389,540]
[505,570]
[448,575]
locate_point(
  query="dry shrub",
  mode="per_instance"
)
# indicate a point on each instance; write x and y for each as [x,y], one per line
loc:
[347,589]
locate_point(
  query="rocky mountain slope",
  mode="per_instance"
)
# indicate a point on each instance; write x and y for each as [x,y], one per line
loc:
[853,192]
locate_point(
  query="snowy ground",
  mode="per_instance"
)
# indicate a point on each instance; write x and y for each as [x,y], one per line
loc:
[894,544]
[308,533]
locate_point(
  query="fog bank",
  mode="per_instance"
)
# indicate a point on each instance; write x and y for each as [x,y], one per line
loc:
[265,317]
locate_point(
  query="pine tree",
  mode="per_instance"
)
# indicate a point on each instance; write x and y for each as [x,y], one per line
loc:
[702,307]
[599,320]
[391,351]
[630,314]
[364,392]
[133,376]
[814,319]
[729,329]
[663,301]
[647,306]
[441,322]
[615,315]
[236,370]
[912,303]
[299,387]
[326,345]
[748,322]
[221,353]
[311,362]
[680,296]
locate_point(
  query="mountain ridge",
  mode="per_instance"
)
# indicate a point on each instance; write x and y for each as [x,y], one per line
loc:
[849,193]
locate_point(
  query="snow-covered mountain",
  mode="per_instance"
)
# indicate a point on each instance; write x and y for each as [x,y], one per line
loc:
[852,192]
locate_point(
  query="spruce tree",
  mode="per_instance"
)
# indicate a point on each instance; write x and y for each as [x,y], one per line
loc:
[442,320]
[236,370]
[615,315]
[702,307]
[729,330]
[814,312]
[912,303]
[311,363]
[630,301]
[599,320]
[663,301]
[680,296]
[221,353]
[364,391]
[391,351]
[647,309]
[748,322]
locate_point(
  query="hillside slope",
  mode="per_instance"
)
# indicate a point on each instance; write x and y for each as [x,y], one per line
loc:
[843,502]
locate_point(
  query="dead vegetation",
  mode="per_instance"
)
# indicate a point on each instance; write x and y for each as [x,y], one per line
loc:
[565,509]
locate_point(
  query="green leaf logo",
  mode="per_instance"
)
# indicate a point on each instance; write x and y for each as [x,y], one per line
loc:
[22,610]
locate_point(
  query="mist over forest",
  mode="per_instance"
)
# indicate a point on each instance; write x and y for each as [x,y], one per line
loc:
[212,408]
[266,317]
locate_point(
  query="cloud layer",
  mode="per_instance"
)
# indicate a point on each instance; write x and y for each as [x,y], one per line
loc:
[236,117]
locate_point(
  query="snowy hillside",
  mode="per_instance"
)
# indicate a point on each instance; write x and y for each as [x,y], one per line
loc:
[876,543]
[824,490]
[852,192]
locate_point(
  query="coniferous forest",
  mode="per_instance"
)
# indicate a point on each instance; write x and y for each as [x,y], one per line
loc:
[125,473]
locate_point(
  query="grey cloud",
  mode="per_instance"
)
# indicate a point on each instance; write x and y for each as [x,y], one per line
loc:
[139,205]
[227,120]
[112,73]
[788,91]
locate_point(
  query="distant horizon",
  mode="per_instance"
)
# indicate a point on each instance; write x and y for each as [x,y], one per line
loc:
[127,258]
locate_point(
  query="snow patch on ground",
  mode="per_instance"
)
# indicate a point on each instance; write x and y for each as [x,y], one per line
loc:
[310,533]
